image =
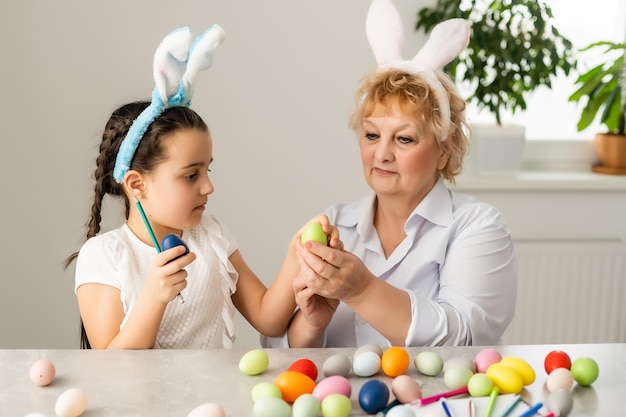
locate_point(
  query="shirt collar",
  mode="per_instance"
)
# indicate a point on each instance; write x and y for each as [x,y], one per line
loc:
[436,208]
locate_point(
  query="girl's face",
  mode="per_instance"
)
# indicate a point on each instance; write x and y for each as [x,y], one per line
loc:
[398,160]
[176,191]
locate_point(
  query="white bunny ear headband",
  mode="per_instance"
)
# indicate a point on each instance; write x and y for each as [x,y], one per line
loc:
[446,41]
[177,61]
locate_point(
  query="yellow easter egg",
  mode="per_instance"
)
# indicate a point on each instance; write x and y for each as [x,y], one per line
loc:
[506,379]
[520,366]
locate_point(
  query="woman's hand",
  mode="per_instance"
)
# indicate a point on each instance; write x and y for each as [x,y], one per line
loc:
[331,272]
[166,277]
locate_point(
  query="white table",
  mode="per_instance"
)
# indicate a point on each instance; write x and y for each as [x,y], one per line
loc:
[172,382]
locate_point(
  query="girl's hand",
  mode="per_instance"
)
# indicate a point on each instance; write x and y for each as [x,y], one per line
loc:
[316,310]
[167,278]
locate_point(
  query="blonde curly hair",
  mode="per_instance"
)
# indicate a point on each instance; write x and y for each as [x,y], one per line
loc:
[415,97]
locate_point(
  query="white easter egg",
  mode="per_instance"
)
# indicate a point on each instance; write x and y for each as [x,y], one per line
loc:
[207,410]
[71,403]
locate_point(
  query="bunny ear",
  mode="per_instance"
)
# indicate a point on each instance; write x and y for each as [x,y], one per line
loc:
[176,63]
[446,41]
[201,56]
[170,61]
[384,30]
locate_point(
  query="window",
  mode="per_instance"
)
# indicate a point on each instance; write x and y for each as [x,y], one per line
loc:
[549,115]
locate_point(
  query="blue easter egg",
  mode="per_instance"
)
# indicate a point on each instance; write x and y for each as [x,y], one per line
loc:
[171,241]
[373,396]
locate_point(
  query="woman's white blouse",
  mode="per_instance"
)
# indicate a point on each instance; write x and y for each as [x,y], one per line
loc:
[457,263]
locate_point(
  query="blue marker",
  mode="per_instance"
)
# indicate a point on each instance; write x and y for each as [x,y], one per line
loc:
[445,408]
[532,410]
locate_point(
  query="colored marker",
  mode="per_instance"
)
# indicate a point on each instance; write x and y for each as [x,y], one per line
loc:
[445,408]
[532,410]
[492,400]
[155,242]
[509,410]
[437,397]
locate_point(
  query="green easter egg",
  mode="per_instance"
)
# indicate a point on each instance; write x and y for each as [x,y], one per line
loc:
[479,385]
[254,362]
[336,405]
[265,389]
[585,371]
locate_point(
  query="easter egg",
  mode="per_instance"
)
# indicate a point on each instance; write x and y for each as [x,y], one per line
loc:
[368,347]
[305,366]
[71,403]
[395,361]
[366,364]
[334,384]
[479,385]
[559,378]
[265,389]
[429,363]
[460,362]
[306,405]
[254,362]
[207,410]
[337,364]
[171,241]
[373,396]
[457,377]
[336,405]
[42,372]
[405,389]
[401,410]
[313,231]
[271,407]
[560,402]
[293,384]
[556,359]
[520,366]
[485,358]
[506,379]
[585,371]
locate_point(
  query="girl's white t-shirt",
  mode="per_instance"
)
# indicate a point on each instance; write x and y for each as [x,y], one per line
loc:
[206,318]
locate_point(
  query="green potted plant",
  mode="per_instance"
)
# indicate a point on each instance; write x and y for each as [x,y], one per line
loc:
[514,49]
[602,91]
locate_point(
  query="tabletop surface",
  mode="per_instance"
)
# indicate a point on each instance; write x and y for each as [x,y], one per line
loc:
[173,382]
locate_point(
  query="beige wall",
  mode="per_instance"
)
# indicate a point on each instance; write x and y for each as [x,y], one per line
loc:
[277,101]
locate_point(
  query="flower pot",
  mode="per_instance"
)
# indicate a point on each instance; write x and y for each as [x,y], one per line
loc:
[496,150]
[611,151]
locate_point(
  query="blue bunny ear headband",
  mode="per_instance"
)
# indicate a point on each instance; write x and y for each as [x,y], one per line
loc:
[446,41]
[177,61]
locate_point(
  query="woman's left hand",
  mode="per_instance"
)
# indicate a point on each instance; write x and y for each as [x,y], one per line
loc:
[332,272]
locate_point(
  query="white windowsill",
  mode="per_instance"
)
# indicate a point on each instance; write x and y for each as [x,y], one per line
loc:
[548,166]
[526,180]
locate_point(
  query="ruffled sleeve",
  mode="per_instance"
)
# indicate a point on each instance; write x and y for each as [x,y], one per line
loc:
[224,244]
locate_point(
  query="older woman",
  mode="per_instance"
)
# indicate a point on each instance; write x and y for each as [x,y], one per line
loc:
[422,265]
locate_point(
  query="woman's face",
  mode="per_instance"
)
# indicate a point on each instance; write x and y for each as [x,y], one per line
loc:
[177,189]
[398,160]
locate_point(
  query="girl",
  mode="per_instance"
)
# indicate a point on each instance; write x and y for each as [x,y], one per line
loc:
[158,154]
[124,287]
